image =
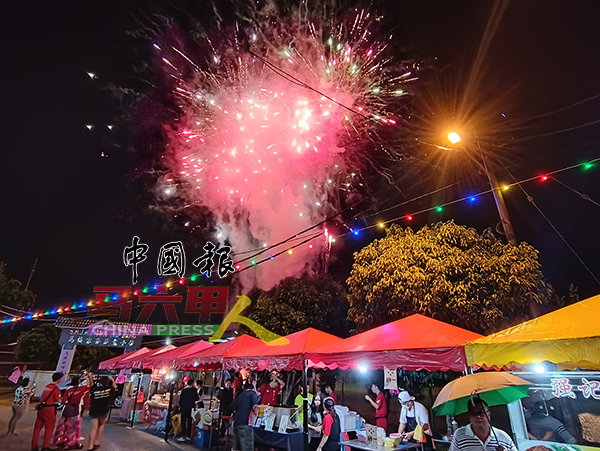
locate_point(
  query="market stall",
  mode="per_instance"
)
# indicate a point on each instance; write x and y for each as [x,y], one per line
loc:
[413,343]
[563,407]
[287,353]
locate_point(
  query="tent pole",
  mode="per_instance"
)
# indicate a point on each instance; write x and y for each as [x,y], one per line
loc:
[169,411]
[135,400]
[305,404]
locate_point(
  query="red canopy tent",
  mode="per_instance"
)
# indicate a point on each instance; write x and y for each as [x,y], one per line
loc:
[138,360]
[110,363]
[413,343]
[170,358]
[288,356]
[216,354]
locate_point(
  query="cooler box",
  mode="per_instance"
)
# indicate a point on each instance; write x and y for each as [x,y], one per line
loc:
[203,437]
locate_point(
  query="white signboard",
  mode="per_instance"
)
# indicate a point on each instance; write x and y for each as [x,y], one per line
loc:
[390,378]
[283,423]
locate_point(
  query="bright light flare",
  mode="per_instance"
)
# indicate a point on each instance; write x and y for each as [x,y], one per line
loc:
[454,137]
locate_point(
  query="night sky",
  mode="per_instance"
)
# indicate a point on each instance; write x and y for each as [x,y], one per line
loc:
[74,210]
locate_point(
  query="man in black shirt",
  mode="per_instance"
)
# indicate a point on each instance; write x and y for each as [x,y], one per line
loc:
[243,434]
[187,402]
[225,397]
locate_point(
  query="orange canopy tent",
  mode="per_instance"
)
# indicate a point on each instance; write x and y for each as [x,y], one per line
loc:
[170,358]
[215,354]
[287,356]
[568,337]
[110,364]
[413,343]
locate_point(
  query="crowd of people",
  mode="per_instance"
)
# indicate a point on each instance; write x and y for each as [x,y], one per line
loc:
[83,394]
[238,403]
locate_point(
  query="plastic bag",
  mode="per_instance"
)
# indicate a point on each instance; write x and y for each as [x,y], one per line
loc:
[418,435]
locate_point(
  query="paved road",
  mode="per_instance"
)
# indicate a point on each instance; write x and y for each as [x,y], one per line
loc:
[116,436]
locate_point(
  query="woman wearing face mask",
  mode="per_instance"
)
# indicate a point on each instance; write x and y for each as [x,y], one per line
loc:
[315,423]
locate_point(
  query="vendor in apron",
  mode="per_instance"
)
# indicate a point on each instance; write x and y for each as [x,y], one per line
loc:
[414,413]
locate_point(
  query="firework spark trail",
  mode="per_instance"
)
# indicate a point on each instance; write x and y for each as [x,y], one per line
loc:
[274,122]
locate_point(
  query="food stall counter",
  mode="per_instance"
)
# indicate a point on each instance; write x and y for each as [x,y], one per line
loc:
[356,444]
[290,441]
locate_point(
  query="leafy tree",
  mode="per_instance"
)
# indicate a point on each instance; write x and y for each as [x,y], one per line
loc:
[11,293]
[39,345]
[297,303]
[88,357]
[448,272]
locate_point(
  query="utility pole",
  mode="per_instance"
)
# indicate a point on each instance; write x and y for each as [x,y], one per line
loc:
[509,232]
[31,274]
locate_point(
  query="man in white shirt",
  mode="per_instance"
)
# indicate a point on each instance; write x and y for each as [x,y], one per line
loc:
[413,414]
[480,435]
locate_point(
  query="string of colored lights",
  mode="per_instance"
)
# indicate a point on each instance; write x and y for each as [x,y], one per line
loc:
[81,307]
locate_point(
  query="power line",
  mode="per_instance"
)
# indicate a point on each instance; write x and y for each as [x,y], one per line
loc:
[532,201]
[583,196]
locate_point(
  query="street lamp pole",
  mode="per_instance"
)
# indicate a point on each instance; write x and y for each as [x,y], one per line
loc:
[509,232]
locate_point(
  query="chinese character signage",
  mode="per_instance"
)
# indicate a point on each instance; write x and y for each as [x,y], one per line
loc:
[562,388]
[172,261]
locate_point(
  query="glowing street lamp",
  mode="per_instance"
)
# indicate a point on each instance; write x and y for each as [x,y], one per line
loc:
[454,137]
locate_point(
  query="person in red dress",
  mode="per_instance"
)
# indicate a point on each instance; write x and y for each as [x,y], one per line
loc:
[68,431]
[268,392]
[380,406]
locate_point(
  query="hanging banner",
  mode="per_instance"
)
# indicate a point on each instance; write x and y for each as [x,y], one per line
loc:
[390,377]
[65,360]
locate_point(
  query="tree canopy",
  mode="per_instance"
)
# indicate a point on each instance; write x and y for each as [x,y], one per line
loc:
[297,303]
[448,272]
[40,345]
[11,293]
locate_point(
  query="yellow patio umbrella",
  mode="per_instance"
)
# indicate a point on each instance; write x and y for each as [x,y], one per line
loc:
[494,388]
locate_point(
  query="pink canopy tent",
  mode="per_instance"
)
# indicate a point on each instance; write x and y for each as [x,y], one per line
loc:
[413,343]
[215,355]
[169,358]
[138,360]
[288,356]
[110,363]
